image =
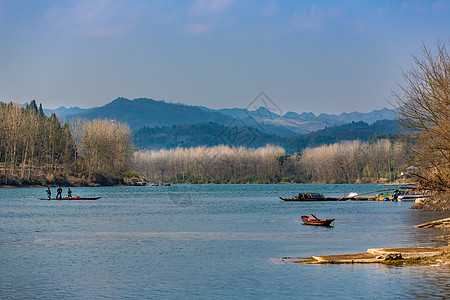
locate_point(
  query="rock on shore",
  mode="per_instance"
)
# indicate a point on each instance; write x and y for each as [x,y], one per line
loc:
[436,203]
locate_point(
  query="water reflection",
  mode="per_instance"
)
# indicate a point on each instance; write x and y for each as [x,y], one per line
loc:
[424,282]
[427,236]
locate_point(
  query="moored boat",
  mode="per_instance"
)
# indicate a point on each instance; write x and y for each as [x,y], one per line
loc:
[314,221]
[401,193]
[309,197]
[412,197]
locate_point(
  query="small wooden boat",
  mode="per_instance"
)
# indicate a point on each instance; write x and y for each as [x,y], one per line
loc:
[307,220]
[71,198]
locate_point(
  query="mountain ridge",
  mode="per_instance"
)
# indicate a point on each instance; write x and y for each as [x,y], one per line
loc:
[141,112]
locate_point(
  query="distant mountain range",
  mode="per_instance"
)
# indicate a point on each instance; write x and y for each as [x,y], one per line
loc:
[144,112]
[305,122]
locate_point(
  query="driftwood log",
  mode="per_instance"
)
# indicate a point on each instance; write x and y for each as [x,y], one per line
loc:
[438,223]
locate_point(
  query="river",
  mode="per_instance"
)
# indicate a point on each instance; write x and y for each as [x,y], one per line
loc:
[207,242]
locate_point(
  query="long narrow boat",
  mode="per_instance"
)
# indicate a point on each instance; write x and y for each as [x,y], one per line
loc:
[310,197]
[71,198]
[307,220]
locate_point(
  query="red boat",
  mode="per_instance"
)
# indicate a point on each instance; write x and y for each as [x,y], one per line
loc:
[316,221]
[72,198]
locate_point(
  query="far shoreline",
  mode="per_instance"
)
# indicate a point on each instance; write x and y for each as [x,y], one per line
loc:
[201,183]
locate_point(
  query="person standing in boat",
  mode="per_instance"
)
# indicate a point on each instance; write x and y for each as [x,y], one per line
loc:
[395,195]
[59,192]
[69,193]
[49,193]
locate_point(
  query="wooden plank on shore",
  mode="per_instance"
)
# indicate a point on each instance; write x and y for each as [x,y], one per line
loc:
[441,222]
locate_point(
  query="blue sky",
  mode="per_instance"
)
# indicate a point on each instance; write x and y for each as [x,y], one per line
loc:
[318,56]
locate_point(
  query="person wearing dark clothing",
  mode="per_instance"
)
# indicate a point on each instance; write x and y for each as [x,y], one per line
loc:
[59,192]
[395,195]
[49,193]
[69,193]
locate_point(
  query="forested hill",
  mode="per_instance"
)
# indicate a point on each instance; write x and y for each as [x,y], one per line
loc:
[202,134]
[352,131]
[210,134]
[142,112]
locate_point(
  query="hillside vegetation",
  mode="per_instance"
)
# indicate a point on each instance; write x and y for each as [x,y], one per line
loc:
[213,134]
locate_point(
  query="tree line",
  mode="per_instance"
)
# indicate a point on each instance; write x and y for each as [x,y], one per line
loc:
[344,162]
[354,161]
[218,164]
[36,149]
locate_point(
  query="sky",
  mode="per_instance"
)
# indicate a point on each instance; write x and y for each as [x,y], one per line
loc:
[305,56]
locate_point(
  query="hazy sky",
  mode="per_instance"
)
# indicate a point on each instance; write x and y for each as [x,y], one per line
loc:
[319,56]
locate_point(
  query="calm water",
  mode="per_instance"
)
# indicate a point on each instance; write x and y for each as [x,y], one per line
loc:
[206,242]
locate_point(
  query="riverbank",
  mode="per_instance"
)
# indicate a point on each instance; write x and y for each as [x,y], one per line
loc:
[97,180]
[103,181]
[428,256]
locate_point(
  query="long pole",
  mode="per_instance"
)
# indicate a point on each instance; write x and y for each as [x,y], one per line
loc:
[385,190]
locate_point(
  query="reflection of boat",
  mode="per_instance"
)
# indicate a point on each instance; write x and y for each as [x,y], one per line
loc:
[316,221]
[71,198]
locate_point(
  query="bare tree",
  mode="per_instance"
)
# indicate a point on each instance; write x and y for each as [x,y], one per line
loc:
[353,161]
[424,106]
[106,147]
[215,164]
